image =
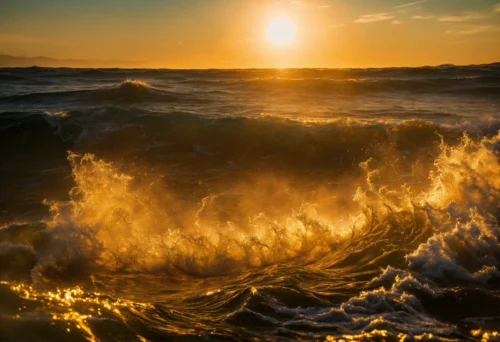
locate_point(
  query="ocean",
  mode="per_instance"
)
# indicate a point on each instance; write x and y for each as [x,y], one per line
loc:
[233,205]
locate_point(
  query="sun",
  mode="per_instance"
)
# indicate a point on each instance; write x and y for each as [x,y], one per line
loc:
[281,31]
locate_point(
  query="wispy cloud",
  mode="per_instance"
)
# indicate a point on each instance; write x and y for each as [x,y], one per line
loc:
[396,22]
[411,4]
[469,30]
[463,17]
[496,8]
[422,17]
[371,18]
[245,40]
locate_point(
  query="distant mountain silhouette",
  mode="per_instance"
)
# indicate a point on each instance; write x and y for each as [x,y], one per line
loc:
[43,61]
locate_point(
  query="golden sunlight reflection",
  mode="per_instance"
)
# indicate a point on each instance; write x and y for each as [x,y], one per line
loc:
[74,307]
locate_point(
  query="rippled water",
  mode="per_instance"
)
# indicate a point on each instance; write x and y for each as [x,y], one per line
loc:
[154,205]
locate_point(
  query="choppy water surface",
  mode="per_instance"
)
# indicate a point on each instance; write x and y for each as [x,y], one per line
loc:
[158,205]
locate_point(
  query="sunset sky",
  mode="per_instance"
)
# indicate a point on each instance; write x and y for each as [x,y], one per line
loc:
[232,33]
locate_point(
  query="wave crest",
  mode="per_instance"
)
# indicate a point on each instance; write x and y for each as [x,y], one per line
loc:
[116,221]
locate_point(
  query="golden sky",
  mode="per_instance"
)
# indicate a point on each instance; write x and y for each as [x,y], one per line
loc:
[234,33]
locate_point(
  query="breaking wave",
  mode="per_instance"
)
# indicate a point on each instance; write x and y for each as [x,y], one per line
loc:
[444,234]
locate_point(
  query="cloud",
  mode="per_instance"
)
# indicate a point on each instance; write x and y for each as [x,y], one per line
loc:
[496,8]
[469,30]
[463,17]
[371,18]
[396,22]
[422,17]
[411,4]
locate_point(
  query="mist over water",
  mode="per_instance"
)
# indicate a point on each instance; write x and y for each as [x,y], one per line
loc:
[237,204]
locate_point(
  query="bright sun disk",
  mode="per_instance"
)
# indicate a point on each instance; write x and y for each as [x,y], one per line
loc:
[281,31]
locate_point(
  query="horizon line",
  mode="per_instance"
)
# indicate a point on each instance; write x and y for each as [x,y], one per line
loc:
[254,68]
[24,63]
[96,62]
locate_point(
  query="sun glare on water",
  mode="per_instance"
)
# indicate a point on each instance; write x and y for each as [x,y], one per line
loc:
[281,31]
